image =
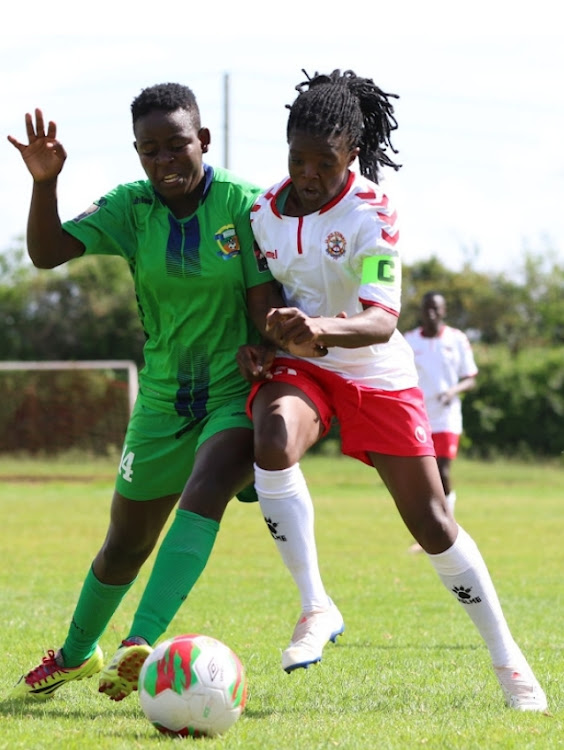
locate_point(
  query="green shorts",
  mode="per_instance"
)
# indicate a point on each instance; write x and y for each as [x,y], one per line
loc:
[159,449]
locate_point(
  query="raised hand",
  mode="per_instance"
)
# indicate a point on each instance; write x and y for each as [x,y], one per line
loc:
[43,155]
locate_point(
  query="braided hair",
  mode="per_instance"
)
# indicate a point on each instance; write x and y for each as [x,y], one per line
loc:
[346,104]
[166,97]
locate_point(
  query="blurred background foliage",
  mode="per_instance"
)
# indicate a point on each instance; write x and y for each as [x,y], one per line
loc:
[86,310]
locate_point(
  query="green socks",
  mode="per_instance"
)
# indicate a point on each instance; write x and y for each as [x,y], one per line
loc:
[96,604]
[180,561]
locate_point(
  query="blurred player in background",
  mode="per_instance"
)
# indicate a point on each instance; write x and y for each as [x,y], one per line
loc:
[330,237]
[446,367]
[185,233]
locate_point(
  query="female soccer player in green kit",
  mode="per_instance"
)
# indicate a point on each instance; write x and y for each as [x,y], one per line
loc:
[185,233]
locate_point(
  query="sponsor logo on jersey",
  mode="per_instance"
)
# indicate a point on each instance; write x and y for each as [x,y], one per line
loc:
[228,242]
[335,244]
[262,263]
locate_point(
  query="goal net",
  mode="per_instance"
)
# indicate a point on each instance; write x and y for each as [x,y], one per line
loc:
[53,407]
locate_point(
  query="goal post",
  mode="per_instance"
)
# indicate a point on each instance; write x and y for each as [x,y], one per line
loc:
[52,407]
[97,364]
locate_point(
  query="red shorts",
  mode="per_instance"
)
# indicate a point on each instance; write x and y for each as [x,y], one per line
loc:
[446,444]
[372,421]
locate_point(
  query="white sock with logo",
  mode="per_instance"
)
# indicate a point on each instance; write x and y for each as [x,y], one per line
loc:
[463,571]
[287,508]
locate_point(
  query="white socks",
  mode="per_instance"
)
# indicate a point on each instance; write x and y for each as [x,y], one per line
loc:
[288,511]
[463,571]
[287,508]
[451,500]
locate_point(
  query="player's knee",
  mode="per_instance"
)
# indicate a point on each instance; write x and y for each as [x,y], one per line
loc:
[437,528]
[128,551]
[209,495]
[275,456]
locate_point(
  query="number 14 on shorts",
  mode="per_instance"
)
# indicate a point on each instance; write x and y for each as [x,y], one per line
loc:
[126,464]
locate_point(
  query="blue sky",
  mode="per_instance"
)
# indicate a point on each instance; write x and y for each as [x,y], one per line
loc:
[481,113]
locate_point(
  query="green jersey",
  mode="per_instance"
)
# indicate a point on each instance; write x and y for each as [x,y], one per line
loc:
[191,278]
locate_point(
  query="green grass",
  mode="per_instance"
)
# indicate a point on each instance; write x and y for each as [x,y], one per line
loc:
[410,670]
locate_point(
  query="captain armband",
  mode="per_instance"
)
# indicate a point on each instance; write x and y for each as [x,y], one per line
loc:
[381,269]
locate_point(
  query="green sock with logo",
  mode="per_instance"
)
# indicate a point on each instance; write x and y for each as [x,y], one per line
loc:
[182,557]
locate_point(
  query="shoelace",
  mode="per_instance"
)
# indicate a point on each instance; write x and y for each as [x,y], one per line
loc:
[45,669]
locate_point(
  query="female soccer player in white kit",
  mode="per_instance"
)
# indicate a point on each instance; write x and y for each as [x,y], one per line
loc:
[330,237]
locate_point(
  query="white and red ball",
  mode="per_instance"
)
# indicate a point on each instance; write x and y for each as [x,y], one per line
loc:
[192,686]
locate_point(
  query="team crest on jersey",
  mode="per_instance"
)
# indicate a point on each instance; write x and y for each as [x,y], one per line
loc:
[228,242]
[336,244]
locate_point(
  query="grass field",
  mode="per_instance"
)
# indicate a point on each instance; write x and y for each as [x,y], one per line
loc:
[410,670]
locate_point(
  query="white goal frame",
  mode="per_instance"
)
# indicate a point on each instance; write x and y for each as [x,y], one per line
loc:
[97,364]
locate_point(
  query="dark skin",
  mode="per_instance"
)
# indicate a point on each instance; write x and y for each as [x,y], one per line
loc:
[170,146]
[286,422]
[433,314]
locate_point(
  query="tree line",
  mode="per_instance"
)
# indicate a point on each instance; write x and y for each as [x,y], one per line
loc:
[86,309]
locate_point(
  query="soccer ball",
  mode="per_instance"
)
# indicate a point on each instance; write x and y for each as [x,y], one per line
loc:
[192,686]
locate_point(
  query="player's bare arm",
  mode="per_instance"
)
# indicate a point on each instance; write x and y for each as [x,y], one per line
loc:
[261,301]
[463,385]
[373,325]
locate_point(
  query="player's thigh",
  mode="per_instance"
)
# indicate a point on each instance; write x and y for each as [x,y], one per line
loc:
[223,467]
[158,454]
[415,485]
[287,422]
[223,462]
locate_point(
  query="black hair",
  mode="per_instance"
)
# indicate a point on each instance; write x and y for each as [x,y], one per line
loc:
[430,294]
[166,97]
[346,104]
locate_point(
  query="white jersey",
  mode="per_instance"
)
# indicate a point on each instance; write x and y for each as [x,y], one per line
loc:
[337,259]
[441,362]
